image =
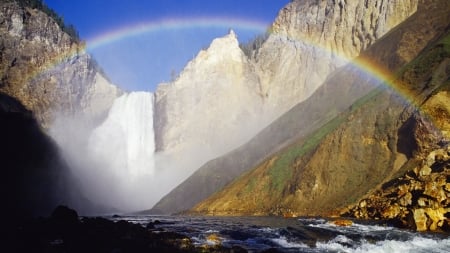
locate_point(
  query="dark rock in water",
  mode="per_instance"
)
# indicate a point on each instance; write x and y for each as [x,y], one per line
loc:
[116,216]
[150,225]
[65,215]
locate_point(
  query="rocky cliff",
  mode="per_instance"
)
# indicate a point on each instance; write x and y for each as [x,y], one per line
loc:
[377,139]
[46,69]
[311,39]
[231,97]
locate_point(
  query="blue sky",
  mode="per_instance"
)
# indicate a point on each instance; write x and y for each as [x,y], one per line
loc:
[139,43]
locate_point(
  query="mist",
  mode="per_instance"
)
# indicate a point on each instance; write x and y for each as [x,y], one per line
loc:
[113,162]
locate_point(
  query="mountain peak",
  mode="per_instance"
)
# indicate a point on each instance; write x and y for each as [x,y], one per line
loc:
[222,52]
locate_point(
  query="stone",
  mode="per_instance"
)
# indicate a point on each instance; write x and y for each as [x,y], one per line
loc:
[406,200]
[422,202]
[437,216]
[64,215]
[447,187]
[425,171]
[214,239]
[420,219]
[391,212]
[342,223]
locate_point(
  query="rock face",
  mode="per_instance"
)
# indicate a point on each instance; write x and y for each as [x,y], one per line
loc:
[214,95]
[372,141]
[420,199]
[231,97]
[312,38]
[46,69]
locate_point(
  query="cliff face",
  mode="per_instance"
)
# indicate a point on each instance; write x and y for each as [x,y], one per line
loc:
[311,39]
[213,97]
[377,139]
[223,98]
[45,68]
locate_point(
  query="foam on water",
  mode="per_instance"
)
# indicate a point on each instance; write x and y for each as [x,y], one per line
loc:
[417,244]
[308,235]
[286,243]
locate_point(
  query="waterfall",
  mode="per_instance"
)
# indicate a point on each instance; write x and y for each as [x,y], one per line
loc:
[122,149]
[126,140]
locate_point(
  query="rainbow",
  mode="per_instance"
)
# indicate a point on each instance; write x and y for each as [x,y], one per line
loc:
[175,24]
[364,64]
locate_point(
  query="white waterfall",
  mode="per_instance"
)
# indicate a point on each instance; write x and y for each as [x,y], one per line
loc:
[122,150]
[125,141]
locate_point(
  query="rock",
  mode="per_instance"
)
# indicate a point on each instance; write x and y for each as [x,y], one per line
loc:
[447,187]
[50,74]
[65,215]
[422,203]
[213,239]
[406,200]
[391,212]
[434,191]
[425,171]
[342,223]
[437,217]
[420,219]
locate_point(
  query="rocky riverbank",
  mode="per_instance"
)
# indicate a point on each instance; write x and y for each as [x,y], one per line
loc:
[420,199]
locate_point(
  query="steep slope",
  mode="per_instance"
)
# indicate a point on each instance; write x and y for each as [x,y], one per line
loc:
[417,197]
[333,168]
[290,65]
[46,69]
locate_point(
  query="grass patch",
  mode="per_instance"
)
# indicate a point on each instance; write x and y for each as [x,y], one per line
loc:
[281,171]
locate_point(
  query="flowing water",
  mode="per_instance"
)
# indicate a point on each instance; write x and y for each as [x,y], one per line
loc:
[257,234]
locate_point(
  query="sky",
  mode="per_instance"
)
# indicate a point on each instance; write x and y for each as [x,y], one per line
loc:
[141,43]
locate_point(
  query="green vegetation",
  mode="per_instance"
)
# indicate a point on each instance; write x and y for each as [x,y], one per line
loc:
[426,62]
[281,171]
[40,5]
[251,185]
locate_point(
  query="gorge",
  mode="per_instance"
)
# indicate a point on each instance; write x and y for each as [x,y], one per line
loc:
[342,102]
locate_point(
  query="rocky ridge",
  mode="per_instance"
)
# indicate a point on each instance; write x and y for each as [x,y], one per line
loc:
[50,74]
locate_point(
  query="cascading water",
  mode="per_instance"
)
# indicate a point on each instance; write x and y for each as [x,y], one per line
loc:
[125,140]
[122,150]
